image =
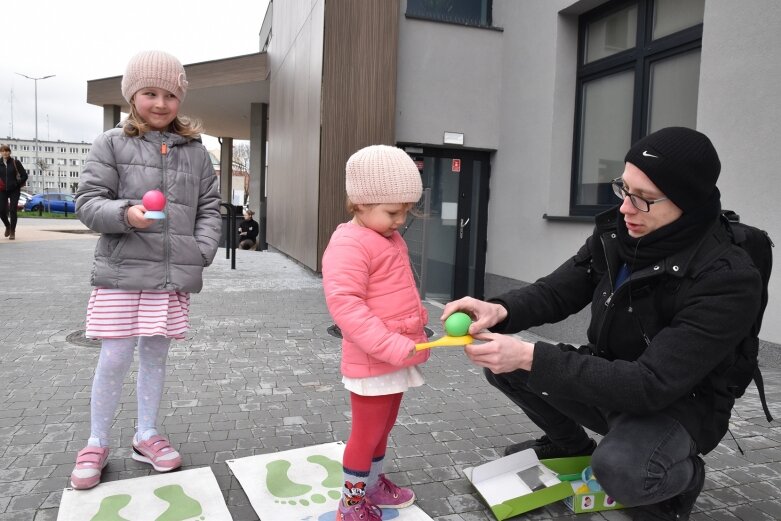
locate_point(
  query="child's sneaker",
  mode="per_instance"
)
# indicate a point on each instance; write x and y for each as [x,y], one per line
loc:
[157,451]
[89,466]
[386,494]
[363,510]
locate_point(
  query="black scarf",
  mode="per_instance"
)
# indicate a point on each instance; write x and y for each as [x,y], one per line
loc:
[688,229]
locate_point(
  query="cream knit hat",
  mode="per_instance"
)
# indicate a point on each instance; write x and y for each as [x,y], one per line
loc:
[382,174]
[154,69]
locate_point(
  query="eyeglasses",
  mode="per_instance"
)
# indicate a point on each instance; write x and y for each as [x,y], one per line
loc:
[644,205]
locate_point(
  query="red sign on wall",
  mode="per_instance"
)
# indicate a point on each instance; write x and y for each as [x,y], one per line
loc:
[455,165]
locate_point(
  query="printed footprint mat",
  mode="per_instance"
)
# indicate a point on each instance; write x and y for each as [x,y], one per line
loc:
[187,495]
[301,485]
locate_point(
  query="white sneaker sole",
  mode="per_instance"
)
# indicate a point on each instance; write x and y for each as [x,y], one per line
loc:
[143,459]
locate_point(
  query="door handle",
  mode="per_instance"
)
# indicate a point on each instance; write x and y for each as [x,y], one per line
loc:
[461,225]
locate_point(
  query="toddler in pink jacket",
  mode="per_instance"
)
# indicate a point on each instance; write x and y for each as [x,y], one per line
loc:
[371,294]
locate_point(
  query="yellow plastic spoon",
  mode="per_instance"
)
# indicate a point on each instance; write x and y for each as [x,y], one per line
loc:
[446,340]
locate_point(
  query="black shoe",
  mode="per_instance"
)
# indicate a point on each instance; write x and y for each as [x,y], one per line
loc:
[7,231]
[546,449]
[678,508]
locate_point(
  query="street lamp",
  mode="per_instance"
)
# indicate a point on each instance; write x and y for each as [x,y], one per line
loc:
[37,166]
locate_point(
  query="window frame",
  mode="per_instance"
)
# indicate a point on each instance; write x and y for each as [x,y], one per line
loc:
[487,25]
[639,59]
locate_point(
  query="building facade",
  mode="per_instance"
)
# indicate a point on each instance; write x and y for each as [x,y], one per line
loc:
[59,163]
[518,115]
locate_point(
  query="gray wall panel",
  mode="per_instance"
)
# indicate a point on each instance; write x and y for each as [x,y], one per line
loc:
[294,128]
[449,79]
[738,108]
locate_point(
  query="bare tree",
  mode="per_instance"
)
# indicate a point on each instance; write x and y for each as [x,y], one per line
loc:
[241,157]
[43,166]
[241,166]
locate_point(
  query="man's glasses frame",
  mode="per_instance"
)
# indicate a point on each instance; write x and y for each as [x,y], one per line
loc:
[642,204]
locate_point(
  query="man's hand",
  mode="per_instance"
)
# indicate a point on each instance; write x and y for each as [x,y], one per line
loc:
[500,353]
[484,314]
[136,219]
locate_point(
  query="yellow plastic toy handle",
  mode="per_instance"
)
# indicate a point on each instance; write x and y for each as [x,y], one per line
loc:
[445,341]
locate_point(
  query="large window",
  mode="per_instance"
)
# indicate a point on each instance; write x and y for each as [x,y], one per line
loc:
[464,12]
[638,71]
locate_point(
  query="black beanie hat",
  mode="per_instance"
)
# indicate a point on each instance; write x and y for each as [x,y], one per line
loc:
[681,162]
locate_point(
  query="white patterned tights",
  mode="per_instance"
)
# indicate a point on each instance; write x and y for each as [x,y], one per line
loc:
[116,357]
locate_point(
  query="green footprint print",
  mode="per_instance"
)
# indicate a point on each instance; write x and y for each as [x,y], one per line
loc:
[110,507]
[181,507]
[333,468]
[288,491]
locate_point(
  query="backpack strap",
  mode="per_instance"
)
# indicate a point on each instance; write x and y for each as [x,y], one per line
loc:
[710,248]
[759,382]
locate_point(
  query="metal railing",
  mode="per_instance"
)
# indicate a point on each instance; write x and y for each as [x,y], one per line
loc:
[230,239]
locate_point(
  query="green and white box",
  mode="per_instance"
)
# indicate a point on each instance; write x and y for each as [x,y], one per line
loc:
[516,484]
[520,482]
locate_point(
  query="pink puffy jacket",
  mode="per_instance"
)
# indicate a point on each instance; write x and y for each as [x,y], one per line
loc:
[371,294]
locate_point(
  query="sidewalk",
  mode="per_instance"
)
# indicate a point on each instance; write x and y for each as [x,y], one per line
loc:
[30,229]
[259,373]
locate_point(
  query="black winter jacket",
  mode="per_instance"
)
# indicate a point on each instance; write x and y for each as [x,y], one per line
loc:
[8,174]
[249,227]
[692,310]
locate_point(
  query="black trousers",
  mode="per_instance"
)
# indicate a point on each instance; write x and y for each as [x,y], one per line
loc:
[5,209]
[247,244]
[642,460]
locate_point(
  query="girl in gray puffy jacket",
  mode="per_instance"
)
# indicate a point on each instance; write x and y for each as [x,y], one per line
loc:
[144,269]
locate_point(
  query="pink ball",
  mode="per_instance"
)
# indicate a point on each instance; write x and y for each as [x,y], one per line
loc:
[153,200]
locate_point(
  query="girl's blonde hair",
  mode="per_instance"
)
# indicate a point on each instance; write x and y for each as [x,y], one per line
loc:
[353,207]
[186,127]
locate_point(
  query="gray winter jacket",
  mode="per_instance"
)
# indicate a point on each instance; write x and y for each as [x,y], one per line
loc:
[172,252]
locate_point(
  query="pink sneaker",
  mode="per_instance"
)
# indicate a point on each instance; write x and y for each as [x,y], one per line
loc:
[361,511]
[89,466]
[386,494]
[157,451]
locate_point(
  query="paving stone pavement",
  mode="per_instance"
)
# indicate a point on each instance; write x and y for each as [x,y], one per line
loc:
[259,373]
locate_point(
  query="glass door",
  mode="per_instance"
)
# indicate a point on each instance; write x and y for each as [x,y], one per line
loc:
[446,237]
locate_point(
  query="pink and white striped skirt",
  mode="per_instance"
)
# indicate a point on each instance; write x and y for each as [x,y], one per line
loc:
[116,313]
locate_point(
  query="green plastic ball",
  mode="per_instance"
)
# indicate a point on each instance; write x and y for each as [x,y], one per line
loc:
[458,324]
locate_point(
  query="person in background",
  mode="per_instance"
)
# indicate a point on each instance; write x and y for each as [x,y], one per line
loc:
[371,295]
[248,231]
[13,177]
[652,378]
[144,270]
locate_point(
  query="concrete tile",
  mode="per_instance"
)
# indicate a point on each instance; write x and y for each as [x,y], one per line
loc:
[258,373]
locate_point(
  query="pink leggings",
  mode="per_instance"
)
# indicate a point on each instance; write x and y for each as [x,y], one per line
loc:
[373,419]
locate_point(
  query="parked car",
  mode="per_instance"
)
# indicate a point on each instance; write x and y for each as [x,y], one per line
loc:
[55,203]
[23,198]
